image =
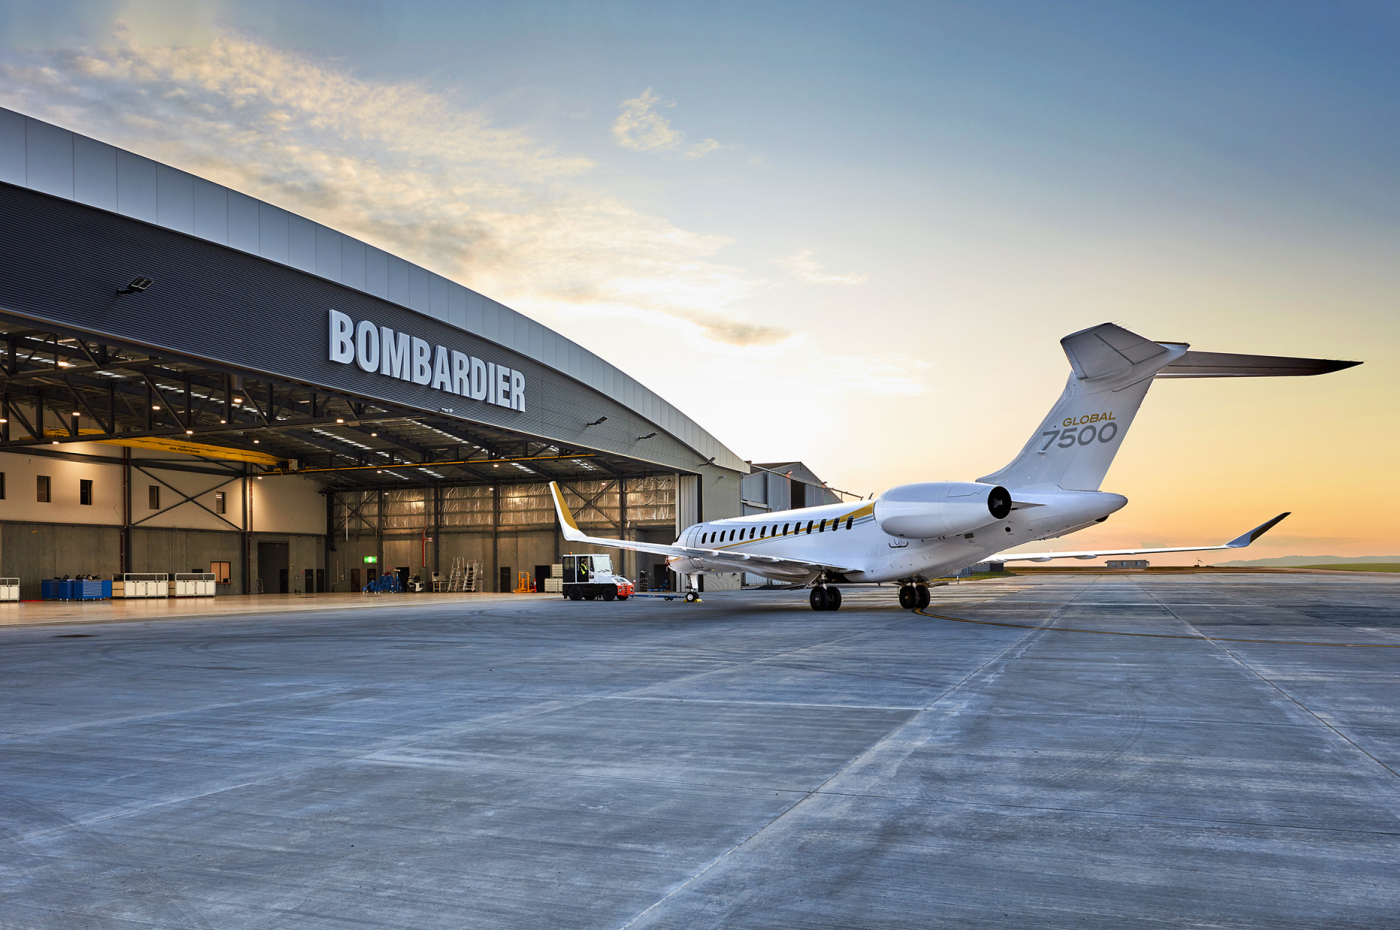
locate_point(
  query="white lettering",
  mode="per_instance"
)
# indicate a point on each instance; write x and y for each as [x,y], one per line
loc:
[442,371]
[342,350]
[399,355]
[461,373]
[502,386]
[422,361]
[393,354]
[367,346]
[478,379]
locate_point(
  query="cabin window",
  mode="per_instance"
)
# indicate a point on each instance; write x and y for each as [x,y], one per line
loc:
[731,535]
[848,522]
[753,531]
[810,524]
[703,537]
[822,527]
[775,529]
[785,528]
[763,531]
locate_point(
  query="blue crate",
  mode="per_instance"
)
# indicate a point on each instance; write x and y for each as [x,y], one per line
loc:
[52,589]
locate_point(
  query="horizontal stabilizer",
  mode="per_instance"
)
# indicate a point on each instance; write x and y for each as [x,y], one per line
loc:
[1239,542]
[1226,365]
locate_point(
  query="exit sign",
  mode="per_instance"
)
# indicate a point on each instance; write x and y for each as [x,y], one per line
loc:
[371,559]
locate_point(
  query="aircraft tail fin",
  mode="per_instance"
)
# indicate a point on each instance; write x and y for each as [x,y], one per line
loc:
[1111,370]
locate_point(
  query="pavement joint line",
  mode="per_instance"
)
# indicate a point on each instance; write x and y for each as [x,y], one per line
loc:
[678,700]
[816,791]
[1283,691]
[1095,812]
[1201,636]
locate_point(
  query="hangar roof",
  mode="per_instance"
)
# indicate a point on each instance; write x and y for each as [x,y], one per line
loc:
[56,161]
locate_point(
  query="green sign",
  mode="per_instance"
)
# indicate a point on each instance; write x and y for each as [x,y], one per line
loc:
[371,559]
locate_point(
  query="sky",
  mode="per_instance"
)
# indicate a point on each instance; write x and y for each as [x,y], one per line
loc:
[849,234]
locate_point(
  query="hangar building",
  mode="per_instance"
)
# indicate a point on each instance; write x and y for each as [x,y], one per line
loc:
[194,379]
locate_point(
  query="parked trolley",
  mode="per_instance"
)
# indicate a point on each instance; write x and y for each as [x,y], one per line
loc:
[587,577]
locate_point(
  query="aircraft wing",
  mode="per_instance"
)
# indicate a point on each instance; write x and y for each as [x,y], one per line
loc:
[742,561]
[1239,542]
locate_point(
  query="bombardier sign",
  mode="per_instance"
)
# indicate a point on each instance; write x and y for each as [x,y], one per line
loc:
[378,349]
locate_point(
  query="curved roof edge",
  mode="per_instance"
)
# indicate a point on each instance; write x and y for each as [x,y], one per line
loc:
[52,160]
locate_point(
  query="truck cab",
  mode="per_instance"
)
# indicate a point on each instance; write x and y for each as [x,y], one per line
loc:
[588,577]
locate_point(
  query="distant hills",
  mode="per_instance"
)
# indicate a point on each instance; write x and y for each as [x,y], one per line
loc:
[1291,560]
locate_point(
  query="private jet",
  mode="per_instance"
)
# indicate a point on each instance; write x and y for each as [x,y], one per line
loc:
[915,533]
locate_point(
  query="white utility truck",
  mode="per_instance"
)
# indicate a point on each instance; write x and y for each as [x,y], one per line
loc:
[587,577]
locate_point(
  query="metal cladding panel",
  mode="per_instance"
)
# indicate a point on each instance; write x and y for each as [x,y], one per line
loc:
[48,153]
[136,187]
[301,242]
[476,313]
[328,253]
[243,222]
[269,318]
[456,305]
[398,280]
[94,173]
[377,272]
[419,289]
[12,169]
[210,211]
[272,232]
[489,321]
[352,263]
[175,199]
[437,296]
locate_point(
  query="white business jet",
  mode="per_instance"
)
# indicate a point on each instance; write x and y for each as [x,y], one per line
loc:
[914,533]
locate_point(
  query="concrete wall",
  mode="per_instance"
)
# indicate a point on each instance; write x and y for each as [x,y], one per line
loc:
[21,501]
[35,551]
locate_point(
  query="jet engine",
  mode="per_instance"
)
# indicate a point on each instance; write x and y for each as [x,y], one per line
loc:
[940,508]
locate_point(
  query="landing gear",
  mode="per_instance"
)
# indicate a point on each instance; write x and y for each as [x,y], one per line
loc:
[692,589]
[913,597]
[691,597]
[824,597]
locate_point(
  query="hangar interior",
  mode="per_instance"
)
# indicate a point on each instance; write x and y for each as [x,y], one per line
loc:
[168,404]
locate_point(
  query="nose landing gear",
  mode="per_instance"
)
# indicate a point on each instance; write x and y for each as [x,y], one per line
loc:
[825,597]
[913,597]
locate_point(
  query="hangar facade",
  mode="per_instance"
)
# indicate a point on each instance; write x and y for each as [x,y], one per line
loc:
[194,378]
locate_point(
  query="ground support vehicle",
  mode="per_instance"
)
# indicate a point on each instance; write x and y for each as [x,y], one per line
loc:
[588,577]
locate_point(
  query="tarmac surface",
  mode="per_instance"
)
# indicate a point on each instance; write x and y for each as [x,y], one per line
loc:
[1093,751]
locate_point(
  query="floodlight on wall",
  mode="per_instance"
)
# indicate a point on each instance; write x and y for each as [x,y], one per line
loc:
[137,285]
[647,436]
[708,461]
[595,422]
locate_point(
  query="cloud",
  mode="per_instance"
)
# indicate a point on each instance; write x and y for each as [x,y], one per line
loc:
[397,165]
[801,265]
[640,128]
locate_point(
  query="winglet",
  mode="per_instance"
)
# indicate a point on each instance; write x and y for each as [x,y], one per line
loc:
[1240,542]
[566,518]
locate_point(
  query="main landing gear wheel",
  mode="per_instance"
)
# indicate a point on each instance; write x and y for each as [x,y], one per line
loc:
[817,598]
[908,597]
[923,598]
[825,598]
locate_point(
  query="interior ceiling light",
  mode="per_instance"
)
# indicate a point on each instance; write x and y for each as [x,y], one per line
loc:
[374,434]
[223,421]
[76,413]
[340,419]
[55,442]
[189,432]
[256,441]
[155,406]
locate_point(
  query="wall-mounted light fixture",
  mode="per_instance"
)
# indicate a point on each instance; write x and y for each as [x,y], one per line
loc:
[647,436]
[137,285]
[708,461]
[595,422]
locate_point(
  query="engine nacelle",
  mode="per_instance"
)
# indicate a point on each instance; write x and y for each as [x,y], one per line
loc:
[940,508]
